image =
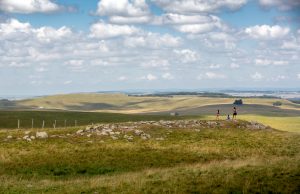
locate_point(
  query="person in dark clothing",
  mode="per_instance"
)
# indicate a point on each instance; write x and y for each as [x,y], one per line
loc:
[228,117]
[234,113]
[218,114]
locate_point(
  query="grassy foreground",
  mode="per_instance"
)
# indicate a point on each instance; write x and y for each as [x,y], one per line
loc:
[210,160]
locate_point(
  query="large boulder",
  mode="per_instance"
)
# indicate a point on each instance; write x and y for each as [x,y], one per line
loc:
[41,135]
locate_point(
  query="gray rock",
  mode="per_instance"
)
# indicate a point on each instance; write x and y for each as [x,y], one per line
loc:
[41,135]
[27,132]
[9,137]
[138,132]
[79,131]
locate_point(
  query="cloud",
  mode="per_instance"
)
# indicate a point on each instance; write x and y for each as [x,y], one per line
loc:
[76,65]
[279,78]
[68,82]
[156,63]
[167,76]
[283,5]
[28,6]
[149,77]
[266,62]
[298,75]
[257,76]
[211,75]
[234,66]
[124,11]
[291,45]
[13,26]
[122,78]
[198,6]
[41,69]
[152,40]
[266,32]
[14,29]
[187,55]
[48,34]
[196,24]
[103,30]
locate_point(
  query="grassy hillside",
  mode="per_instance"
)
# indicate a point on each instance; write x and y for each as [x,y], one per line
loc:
[122,103]
[225,158]
[9,119]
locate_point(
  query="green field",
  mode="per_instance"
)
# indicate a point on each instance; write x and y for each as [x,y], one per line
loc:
[9,119]
[213,160]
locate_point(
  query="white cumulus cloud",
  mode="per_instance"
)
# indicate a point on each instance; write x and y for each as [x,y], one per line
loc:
[28,6]
[266,32]
[124,11]
[266,62]
[198,6]
[149,77]
[187,55]
[103,30]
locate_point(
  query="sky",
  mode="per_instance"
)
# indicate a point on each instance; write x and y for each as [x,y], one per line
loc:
[68,46]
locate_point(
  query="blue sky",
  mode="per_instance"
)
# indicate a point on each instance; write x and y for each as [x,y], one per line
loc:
[67,46]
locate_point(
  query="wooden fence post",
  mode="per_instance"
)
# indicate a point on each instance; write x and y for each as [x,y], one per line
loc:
[43,124]
[18,123]
[31,123]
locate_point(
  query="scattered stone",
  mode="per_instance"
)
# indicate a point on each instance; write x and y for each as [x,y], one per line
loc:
[138,132]
[145,136]
[27,132]
[79,132]
[160,139]
[27,138]
[114,137]
[89,135]
[9,137]
[41,135]
[32,137]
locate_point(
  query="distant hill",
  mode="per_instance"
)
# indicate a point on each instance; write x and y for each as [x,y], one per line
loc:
[122,103]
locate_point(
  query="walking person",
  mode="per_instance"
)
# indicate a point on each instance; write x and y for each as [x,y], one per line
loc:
[218,115]
[234,113]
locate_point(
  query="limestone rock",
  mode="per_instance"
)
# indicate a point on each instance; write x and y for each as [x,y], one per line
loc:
[41,135]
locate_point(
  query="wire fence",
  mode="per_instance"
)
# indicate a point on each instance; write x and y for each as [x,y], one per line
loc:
[47,123]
